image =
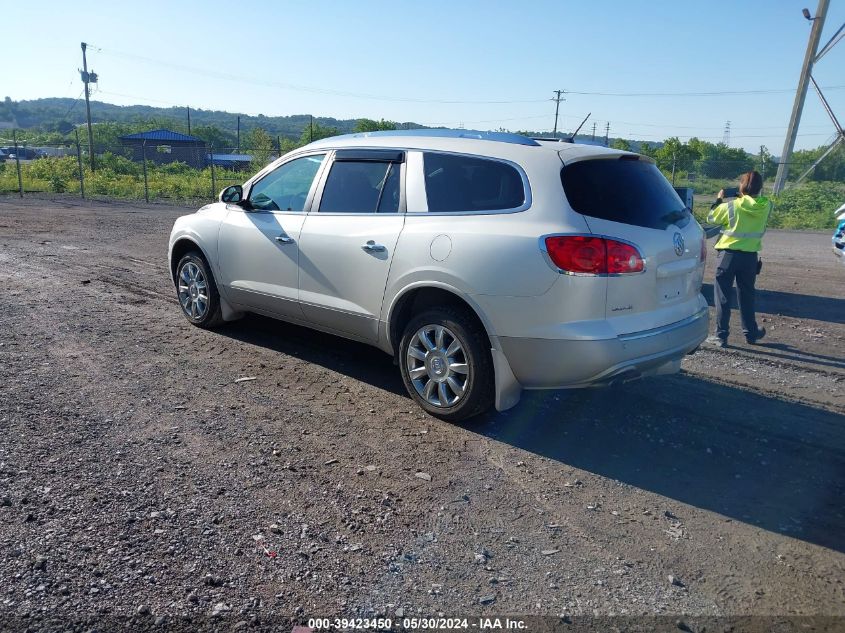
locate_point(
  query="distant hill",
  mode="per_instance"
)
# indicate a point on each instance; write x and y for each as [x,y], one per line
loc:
[61,115]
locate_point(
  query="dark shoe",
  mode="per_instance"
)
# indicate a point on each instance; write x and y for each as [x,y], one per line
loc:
[752,340]
[716,341]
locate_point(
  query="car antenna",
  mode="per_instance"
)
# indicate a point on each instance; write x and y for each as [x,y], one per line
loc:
[578,129]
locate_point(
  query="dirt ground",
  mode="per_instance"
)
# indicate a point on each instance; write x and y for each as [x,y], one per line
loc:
[139,477]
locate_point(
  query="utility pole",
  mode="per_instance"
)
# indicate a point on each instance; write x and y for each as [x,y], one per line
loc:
[800,94]
[310,128]
[606,133]
[79,164]
[239,135]
[18,161]
[86,79]
[189,120]
[594,130]
[557,101]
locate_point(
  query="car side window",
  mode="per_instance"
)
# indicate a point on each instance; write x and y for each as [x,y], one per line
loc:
[286,188]
[455,183]
[362,187]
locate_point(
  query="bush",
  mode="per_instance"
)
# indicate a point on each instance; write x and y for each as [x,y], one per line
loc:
[119,165]
[58,184]
[808,206]
[176,168]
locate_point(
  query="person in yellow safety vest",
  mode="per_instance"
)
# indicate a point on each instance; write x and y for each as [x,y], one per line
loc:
[744,224]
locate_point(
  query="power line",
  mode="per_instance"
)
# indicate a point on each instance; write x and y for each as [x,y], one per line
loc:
[720,127]
[73,105]
[302,88]
[722,93]
[343,93]
[733,136]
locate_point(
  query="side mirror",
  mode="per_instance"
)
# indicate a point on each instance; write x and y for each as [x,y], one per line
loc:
[232,195]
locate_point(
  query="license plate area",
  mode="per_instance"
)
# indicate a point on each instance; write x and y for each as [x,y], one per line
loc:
[671,289]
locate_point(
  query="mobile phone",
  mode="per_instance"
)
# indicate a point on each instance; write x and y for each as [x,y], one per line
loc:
[731,192]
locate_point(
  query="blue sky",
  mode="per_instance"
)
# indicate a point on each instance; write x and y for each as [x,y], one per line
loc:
[475,64]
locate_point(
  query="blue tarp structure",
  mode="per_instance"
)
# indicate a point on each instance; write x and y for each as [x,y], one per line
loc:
[232,161]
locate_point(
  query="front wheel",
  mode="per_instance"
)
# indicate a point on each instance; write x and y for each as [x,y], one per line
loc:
[444,357]
[197,291]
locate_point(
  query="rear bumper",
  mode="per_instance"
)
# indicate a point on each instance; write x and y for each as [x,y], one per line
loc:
[565,363]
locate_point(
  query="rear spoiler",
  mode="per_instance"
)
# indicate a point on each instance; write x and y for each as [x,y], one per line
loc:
[711,230]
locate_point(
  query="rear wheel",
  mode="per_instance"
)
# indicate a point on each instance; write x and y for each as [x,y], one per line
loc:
[444,357]
[197,291]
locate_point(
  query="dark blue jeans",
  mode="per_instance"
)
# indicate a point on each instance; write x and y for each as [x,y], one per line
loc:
[739,266]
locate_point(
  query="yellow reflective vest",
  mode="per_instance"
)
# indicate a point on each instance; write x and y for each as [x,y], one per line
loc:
[744,223]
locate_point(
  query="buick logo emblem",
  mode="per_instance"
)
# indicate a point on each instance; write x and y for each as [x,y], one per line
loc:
[679,244]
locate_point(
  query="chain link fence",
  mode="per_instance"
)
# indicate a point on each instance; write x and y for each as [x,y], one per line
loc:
[149,171]
[194,174]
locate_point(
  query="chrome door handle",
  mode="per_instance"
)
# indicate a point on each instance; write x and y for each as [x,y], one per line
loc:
[372,247]
[284,239]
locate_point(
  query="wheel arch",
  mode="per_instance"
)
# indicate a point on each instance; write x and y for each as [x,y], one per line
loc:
[414,299]
[186,244]
[180,247]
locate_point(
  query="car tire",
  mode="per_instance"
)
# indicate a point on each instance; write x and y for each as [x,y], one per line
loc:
[446,365]
[196,291]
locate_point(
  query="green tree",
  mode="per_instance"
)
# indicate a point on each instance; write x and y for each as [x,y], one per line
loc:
[369,125]
[831,168]
[214,136]
[315,132]
[622,144]
[766,163]
[675,153]
[260,145]
[646,149]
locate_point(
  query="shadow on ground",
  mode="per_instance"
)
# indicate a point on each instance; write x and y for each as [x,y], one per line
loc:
[770,463]
[790,304]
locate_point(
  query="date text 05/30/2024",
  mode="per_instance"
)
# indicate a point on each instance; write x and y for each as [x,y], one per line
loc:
[481,624]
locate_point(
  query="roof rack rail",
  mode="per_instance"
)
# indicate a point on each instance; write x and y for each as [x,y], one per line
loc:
[568,139]
[501,137]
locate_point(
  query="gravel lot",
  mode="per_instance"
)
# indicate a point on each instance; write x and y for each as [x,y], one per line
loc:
[140,476]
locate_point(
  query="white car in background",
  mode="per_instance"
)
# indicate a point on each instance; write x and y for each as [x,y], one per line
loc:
[839,233]
[485,263]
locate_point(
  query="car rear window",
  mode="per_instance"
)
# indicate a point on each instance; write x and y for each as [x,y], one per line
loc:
[623,190]
[455,183]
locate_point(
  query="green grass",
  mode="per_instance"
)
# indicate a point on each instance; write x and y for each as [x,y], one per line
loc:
[809,205]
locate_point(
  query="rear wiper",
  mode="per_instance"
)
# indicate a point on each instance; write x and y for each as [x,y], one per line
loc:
[674,216]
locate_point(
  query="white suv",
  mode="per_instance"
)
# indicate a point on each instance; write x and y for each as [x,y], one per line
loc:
[485,263]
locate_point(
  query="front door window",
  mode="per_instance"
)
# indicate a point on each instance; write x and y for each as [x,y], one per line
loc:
[286,188]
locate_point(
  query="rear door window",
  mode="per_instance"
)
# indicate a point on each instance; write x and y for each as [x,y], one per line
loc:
[362,187]
[455,183]
[624,190]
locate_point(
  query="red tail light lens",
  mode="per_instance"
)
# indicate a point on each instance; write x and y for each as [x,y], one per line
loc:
[593,255]
[623,258]
[578,253]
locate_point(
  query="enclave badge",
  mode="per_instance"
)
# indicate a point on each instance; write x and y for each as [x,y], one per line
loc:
[679,244]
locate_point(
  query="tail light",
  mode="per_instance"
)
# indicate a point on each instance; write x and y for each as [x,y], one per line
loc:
[593,255]
[703,250]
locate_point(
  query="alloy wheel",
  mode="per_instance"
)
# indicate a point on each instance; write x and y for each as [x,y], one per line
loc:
[193,291]
[437,366]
